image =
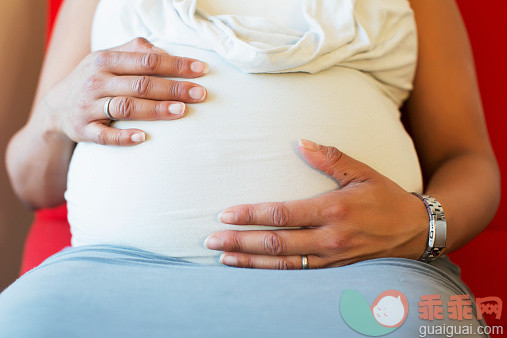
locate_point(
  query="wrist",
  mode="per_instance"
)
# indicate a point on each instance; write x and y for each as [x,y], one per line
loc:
[417,228]
[44,122]
[437,228]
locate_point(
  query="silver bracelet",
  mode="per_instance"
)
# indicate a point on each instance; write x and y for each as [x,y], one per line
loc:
[437,236]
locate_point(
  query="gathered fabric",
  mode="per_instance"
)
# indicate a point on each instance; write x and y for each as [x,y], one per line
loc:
[376,37]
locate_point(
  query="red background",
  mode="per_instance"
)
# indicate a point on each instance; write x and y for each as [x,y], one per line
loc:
[483,261]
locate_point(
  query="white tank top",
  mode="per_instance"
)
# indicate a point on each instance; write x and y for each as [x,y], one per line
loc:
[240,146]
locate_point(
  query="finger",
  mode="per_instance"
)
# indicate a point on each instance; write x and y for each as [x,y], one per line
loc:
[138,45]
[299,213]
[271,262]
[139,63]
[335,163]
[102,134]
[273,243]
[154,88]
[129,108]
[144,46]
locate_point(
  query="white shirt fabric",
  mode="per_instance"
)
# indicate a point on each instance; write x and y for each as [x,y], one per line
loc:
[338,82]
[285,13]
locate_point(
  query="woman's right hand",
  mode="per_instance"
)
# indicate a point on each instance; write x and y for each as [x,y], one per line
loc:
[131,75]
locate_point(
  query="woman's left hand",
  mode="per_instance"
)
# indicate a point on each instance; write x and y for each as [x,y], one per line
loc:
[369,217]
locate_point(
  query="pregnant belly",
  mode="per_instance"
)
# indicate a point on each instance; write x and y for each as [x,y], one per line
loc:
[240,146]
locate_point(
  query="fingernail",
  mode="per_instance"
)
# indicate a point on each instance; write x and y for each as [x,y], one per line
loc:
[197,93]
[177,108]
[312,146]
[228,217]
[138,137]
[199,67]
[229,260]
[214,243]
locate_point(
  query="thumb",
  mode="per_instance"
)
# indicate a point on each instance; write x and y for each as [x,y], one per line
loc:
[335,163]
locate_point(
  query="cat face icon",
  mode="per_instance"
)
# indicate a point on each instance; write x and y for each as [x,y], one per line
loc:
[390,308]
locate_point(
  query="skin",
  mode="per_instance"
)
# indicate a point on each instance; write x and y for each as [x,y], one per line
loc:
[445,119]
[72,90]
[370,217]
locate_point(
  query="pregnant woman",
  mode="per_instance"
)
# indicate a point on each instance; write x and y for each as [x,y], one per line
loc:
[287,151]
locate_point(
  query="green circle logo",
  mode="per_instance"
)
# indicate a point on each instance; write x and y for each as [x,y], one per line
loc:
[386,314]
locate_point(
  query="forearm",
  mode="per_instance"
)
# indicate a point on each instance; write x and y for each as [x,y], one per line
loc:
[38,157]
[37,161]
[468,187]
